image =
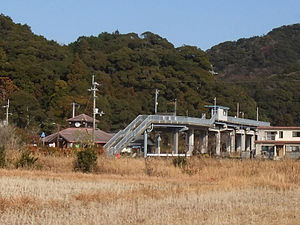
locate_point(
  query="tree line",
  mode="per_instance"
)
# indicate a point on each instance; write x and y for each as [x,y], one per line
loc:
[42,78]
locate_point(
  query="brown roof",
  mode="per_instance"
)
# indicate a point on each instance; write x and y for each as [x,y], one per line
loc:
[80,134]
[278,128]
[82,118]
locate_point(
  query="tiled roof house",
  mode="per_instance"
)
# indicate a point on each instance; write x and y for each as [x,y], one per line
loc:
[80,130]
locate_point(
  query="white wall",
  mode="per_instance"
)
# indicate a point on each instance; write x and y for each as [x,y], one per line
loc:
[287,135]
[222,114]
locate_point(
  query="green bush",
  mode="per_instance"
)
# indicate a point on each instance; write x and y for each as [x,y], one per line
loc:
[180,161]
[86,160]
[26,160]
[2,156]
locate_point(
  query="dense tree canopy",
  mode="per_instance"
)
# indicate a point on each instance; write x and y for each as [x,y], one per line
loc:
[43,78]
[268,67]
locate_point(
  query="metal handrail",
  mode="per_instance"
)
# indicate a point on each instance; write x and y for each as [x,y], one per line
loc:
[142,122]
[131,135]
[112,140]
[160,119]
[124,131]
[247,121]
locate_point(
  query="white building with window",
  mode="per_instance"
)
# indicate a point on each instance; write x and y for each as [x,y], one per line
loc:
[277,142]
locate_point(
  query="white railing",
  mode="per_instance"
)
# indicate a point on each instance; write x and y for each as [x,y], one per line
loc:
[156,119]
[167,155]
[123,132]
[247,122]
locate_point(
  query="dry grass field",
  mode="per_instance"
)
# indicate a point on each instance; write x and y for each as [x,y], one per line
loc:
[152,191]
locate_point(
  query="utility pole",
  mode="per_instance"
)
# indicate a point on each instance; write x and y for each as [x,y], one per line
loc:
[73,109]
[215,104]
[256,113]
[7,112]
[57,140]
[28,117]
[237,109]
[93,90]
[156,103]
[175,106]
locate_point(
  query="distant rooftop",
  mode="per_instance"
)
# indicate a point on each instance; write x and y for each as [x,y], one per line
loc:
[82,118]
[72,135]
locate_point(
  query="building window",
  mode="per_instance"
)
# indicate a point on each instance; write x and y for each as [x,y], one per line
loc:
[296,134]
[270,135]
[295,148]
[280,134]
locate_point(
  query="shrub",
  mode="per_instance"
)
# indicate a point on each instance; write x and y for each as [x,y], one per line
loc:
[180,161]
[86,160]
[9,137]
[26,160]
[2,156]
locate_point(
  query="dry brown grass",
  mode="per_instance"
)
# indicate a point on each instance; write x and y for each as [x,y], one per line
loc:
[152,191]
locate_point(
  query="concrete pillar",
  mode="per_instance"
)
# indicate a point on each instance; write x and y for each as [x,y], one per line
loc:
[228,142]
[218,143]
[191,142]
[232,141]
[158,139]
[145,143]
[206,142]
[243,141]
[253,143]
[258,149]
[175,142]
[204,146]
[238,142]
[275,152]
[248,143]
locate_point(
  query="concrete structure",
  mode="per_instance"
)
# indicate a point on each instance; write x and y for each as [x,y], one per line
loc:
[234,135]
[278,142]
[220,135]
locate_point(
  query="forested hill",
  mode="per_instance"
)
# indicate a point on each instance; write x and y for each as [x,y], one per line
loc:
[275,53]
[42,78]
[268,67]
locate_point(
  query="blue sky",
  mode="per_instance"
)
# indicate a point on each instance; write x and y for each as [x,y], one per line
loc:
[190,22]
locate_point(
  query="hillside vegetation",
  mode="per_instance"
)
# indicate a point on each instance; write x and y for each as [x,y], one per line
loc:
[43,78]
[278,52]
[268,67]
